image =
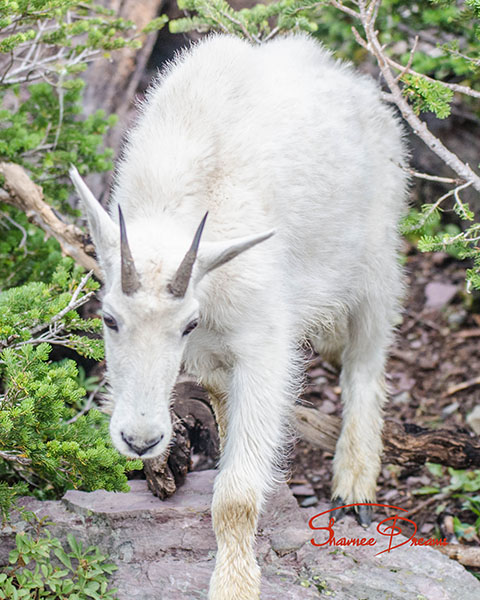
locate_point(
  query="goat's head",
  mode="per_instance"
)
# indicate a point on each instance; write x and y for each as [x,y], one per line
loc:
[150,307]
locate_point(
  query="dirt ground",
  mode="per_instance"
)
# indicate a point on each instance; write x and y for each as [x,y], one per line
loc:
[436,348]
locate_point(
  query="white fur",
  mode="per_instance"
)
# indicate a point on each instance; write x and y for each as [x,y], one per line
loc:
[282,137]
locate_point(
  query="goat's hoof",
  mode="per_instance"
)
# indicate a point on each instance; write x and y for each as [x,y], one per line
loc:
[364,515]
[340,513]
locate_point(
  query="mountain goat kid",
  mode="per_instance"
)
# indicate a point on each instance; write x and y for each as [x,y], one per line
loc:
[299,165]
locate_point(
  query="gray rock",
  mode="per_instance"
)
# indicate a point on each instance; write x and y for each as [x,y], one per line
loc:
[309,501]
[166,550]
[304,489]
[438,295]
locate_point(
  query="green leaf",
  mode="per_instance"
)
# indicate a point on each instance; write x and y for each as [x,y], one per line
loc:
[435,469]
[427,489]
[63,557]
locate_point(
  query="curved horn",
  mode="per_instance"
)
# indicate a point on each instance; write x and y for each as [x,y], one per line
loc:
[180,282]
[130,280]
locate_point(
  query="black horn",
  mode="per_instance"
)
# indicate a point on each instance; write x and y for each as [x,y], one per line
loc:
[179,284]
[130,280]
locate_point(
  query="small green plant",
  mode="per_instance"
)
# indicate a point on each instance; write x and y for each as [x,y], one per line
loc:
[41,567]
[50,438]
[257,24]
[464,485]
[45,440]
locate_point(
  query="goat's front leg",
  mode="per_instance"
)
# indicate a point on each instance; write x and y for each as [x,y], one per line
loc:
[257,408]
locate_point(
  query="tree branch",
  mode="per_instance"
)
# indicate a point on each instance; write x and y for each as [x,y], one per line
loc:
[20,191]
[367,15]
[10,457]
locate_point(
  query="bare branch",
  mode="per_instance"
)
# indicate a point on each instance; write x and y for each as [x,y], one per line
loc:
[72,305]
[18,226]
[373,45]
[406,69]
[272,34]
[21,192]
[429,177]
[461,89]
[345,9]
[9,456]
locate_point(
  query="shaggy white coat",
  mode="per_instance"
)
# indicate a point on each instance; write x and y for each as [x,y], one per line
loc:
[282,137]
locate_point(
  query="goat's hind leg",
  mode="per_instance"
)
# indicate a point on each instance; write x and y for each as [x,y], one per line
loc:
[218,402]
[356,464]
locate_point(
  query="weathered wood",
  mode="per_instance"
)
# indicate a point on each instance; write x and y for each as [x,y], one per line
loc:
[20,191]
[404,444]
[193,408]
[165,474]
[160,479]
[194,429]
[469,556]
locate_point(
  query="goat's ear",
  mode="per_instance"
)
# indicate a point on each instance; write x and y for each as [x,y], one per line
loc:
[214,254]
[103,230]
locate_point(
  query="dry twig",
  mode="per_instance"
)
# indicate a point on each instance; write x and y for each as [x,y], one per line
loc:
[461,386]
[9,456]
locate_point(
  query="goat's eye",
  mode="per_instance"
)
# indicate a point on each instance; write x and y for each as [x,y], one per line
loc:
[190,327]
[110,322]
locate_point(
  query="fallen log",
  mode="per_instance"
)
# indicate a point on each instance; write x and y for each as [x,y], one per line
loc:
[194,430]
[404,444]
[166,473]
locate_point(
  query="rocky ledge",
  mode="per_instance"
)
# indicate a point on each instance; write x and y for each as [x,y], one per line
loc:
[165,550]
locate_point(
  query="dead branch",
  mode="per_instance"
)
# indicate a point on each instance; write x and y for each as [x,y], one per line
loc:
[434,499]
[469,556]
[404,444]
[20,191]
[11,457]
[462,386]
[429,177]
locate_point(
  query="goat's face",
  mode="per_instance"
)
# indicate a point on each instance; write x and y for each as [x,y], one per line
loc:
[150,309]
[145,337]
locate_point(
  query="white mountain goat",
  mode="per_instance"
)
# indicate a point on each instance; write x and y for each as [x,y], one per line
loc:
[299,165]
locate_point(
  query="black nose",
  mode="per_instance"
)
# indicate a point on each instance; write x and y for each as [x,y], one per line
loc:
[138,447]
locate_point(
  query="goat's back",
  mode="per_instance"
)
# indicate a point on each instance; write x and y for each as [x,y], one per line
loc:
[276,135]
